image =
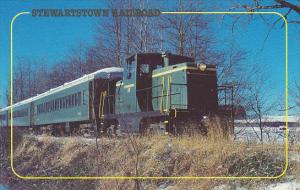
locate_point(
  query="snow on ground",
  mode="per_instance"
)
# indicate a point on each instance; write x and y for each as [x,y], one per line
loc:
[288,185]
[270,134]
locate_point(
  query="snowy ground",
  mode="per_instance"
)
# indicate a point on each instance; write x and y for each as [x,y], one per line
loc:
[270,134]
[288,185]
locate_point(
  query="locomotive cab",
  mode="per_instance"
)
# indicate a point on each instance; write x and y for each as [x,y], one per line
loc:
[134,92]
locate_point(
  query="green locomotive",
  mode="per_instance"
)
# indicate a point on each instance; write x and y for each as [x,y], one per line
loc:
[163,93]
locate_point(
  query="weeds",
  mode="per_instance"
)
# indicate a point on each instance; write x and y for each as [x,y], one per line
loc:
[214,155]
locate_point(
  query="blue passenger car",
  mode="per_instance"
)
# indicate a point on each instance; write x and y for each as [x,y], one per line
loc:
[74,102]
[65,104]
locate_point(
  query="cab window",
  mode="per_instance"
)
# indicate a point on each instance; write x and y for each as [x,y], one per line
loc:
[144,69]
[129,69]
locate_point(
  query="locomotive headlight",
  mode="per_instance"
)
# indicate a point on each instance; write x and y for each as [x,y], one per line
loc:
[202,66]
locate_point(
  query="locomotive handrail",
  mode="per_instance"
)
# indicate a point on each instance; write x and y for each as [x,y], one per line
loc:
[162,92]
[168,92]
[148,88]
[165,95]
[228,106]
[180,104]
[179,84]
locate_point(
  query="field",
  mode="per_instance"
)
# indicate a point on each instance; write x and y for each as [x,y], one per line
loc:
[133,155]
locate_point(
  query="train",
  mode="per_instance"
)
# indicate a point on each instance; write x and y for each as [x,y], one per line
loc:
[152,92]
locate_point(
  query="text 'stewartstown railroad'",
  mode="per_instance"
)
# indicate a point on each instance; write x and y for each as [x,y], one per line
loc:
[154,92]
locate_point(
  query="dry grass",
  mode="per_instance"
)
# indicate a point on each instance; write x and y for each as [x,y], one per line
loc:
[214,155]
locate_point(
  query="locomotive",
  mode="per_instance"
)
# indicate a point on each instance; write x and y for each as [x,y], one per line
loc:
[160,92]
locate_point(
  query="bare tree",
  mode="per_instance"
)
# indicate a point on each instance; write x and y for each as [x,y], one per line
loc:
[258,103]
[295,96]
[30,77]
[23,81]
[109,36]
[186,34]
[191,35]
[286,6]
[19,82]
[7,96]
[118,37]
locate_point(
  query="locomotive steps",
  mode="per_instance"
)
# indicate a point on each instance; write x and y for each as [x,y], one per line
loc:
[155,156]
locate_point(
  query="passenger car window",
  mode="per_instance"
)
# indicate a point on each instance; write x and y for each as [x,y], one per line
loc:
[79,98]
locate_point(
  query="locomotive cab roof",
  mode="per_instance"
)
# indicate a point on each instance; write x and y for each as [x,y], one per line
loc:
[160,58]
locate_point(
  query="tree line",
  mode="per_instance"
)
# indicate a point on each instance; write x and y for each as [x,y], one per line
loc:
[119,37]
